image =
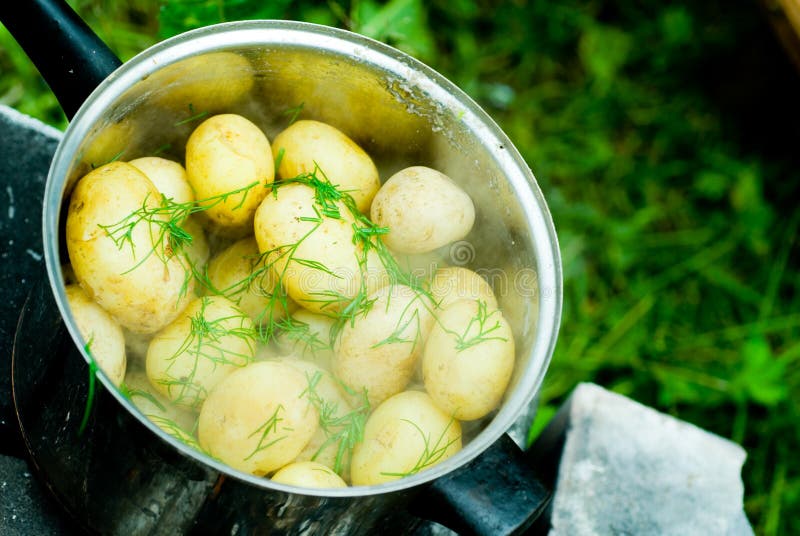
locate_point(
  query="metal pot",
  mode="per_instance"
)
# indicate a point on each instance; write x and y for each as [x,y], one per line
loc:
[401,112]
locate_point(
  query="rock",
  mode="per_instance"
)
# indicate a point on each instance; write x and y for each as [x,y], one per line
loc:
[24,507]
[628,469]
[26,150]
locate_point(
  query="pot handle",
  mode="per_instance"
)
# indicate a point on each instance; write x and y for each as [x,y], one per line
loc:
[72,59]
[497,493]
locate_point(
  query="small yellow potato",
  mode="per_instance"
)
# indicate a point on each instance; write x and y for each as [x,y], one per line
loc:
[468,359]
[378,351]
[423,209]
[257,419]
[139,282]
[101,333]
[308,475]
[240,273]
[406,434]
[307,145]
[337,416]
[227,153]
[314,257]
[206,343]
[167,176]
[307,335]
[155,406]
[455,283]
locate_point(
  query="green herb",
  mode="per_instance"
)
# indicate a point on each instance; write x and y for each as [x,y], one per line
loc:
[431,453]
[206,341]
[164,222]
[173,429]
[344,431]
[293,113]
[479,329]
[193,117]
[90,399]
[270,426]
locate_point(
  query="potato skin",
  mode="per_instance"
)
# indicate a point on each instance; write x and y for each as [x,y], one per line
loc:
[167,176]
[364,355]
[236,264]
[143,293]
[308,475]
[206,343]
[256,420]
[281,220]
[454,283]
[423,209]
[100,332]
[226,153]
[468,383]
[345,164]
[397,435]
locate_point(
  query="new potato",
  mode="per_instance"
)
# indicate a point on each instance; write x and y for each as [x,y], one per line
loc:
[313,257]
[257,419]
[140,283]
[468,359]
[239,273]
[310,337]
[224,154]
[378,351]
[102,334]
[423,209]
[406,434]
[308,475]
[207,342]
[308,144]
[167,176]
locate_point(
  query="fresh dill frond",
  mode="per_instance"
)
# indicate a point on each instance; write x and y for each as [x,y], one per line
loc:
[345,431]
[479,323]
[294,112]
[90,398]
[270,426]
[173,429]
[431,453]
[205,340]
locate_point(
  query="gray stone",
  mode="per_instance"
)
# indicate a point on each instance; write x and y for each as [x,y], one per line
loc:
[24,508]
[26,149]
[627,469]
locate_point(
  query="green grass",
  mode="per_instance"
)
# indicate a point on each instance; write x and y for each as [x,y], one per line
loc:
[664,136]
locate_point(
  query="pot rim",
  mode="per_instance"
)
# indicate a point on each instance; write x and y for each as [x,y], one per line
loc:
[231,35]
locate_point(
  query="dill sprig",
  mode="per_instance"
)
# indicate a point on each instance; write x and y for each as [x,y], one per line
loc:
[205,341]
[131,393]
[270,426]
[87,410]
[294,112]
[301,334]
[480,323]
[345,431]
[193,117]
[173,429]
[164,221]
[431,453]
